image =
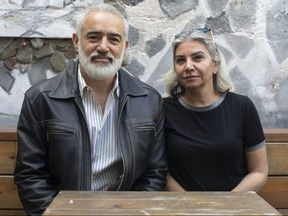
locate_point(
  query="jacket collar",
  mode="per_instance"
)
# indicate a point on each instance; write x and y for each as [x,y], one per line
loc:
[68,86]
[130,84]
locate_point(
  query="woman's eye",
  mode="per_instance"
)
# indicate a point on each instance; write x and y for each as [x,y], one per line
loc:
[198,57]
[180,61]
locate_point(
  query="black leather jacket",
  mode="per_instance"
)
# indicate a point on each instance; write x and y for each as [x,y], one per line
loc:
[54,147]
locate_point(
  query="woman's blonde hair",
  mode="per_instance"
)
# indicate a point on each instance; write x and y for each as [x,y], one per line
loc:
[222,80]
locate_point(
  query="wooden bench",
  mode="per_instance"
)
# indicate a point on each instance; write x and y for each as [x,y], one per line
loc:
[275,192]
[9,200]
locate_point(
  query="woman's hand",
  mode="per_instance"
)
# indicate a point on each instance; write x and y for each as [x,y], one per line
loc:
[172,184]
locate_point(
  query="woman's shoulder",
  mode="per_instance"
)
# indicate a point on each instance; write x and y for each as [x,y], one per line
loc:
[235,97]
[170,102]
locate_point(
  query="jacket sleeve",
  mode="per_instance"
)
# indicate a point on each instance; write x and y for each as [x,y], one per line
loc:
[154,177]
[35,187]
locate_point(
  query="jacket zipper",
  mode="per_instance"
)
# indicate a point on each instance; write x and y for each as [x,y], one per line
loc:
[86,183]
[125,98]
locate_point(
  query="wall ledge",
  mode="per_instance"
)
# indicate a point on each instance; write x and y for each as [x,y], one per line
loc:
[50,19]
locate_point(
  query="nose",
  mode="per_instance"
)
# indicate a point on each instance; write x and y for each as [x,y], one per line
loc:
[189,66]
[103,46]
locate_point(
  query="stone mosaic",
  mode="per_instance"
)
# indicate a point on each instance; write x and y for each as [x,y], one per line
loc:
[35,45]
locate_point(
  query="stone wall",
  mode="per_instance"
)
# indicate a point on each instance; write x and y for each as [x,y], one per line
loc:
[251,34]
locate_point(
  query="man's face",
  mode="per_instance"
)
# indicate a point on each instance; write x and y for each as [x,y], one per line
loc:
[102,45]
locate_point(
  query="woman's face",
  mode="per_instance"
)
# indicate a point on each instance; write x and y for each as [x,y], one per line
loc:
[194,65]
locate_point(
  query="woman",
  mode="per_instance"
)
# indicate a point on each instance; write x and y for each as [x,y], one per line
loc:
[215,140]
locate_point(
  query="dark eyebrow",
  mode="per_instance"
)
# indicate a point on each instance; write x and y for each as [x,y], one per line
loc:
[196,53]
[93,32]
[193,54]
[109,34]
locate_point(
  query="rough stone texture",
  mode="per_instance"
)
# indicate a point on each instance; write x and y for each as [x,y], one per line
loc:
[175,8]
[38,72]
[220,24]
[17,2]
[35,3]
[29,55]
[4,43]
[37,43]
[242,14]
[133,36]
[241,82]
[24,54]
[132,2]
[251,34]
[58,61]
[240,44]
[8,52]
[56,4]
[217,7]
[46,50]
[10,63]
[154,46]
[7,80]
[281,119]
[163,66]
[136,68]
[277,29]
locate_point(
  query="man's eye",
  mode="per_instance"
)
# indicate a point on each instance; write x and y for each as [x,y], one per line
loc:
[114,40]
[94,38]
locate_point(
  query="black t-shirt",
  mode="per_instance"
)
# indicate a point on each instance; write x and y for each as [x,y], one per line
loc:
[206,146]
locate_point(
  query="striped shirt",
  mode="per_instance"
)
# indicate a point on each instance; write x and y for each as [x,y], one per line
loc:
[106,158]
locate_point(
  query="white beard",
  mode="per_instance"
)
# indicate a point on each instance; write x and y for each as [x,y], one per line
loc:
[101,70]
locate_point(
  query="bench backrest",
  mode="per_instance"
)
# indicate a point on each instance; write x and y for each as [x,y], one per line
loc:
[274,192]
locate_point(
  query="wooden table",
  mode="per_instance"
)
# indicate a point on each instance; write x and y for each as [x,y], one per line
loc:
[159,203]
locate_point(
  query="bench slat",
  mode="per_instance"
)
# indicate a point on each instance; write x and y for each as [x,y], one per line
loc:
[275,192]
[8,134]
[12,212]
[7,157]
[277,158]
[276,134]
[9,198]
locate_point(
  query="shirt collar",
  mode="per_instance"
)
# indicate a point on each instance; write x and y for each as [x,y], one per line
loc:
[83,85]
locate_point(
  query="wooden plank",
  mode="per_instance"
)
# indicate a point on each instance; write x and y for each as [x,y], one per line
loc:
[8,133]
[11,212]
[277,154]
[158,203]
[276,134]
[275,191]
[284,212]
[9,198]
[271,134]
[7,157]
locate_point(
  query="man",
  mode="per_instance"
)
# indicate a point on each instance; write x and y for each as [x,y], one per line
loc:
[94,126]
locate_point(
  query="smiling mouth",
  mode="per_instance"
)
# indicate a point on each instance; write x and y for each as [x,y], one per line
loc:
[103,59]
[190,77]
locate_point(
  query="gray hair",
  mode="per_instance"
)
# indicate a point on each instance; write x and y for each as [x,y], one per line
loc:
[100,7]
[104,7]
[222,80]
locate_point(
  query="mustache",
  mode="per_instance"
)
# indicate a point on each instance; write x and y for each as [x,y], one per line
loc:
[95,56]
